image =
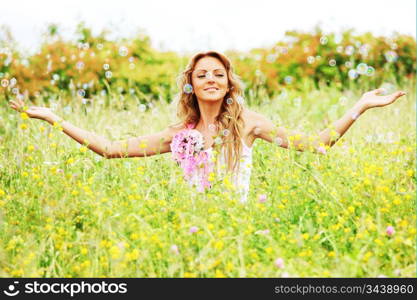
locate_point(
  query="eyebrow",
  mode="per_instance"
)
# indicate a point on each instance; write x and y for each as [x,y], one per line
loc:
[213,70]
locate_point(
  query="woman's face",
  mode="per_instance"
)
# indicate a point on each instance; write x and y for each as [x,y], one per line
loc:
[209,79]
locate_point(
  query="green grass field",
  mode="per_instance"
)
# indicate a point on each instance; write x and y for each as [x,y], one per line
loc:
[67,212]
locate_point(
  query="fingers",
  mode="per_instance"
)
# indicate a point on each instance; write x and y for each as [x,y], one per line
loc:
[379,91]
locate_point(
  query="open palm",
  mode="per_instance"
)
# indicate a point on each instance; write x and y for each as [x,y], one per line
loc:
[373,99]
[37,112]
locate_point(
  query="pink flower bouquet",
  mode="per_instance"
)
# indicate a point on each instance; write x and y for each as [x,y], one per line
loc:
[187,149]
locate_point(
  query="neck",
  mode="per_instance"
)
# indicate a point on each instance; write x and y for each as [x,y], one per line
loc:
[209,111]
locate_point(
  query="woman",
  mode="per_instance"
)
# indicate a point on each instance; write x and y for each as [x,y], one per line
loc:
[210,103]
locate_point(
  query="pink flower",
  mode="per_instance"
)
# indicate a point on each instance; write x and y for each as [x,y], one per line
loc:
[390,230]
[321,150]
[262,198]
[279,262]
[193,229]
[187,149]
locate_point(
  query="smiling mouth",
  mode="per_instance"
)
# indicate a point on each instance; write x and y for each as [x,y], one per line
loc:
[211,89]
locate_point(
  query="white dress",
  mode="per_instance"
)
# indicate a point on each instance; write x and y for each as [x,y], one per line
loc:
[240,180]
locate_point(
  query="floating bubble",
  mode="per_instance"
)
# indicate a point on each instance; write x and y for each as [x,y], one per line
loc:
[394,46]
[278,141]
[79,65]
[108,74]
[229,100]
[284,50]
[311,59]
[391,56]
[55,77]
[297,101]
[258,73]
[226,132]
[15,90]
[131,91]
[85,86]
[13,82]
[324,40]
[123,51]
[349,50]
[86,46]
[388,87]
[318,57]
[240,99]
[218,140]
[271,58]
[361,68]
[131,59]
[188,88]
[363,50]
[52,82]
[81,93]
[349,64]
[67,110]
[288,79]
[343,100]
[106,66]
[370,71]
[103,92]
[212,127]
[332,62]
[4,82]
[339,49]
[84,101]
[353,74]
[99,46]
[142,107]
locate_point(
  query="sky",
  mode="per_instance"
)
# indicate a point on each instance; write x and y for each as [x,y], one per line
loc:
[187,26]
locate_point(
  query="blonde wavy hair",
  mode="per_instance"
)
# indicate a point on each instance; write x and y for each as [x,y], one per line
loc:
[230,116]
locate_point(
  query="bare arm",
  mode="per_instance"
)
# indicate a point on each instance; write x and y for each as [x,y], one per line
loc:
[266,130]
[147,145]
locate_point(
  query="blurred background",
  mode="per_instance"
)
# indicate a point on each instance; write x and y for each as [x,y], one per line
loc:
[51,49]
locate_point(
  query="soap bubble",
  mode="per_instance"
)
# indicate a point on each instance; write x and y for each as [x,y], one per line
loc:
[349,64]
[13,82]
[288,79]
[55,77]
[188,88]
[142,107]
[349,50]
[4,83]
[278,141]
[226,132]
[391,56]
[106,66]
[370,71]
[229,100]
[324,40]
[108,74]
[123,51]
[81,93]
[342,100]
[310,59]
[332,62]
[212,127]
[353,74]
[79,65]
[361,68]
[240,99]
[99,46]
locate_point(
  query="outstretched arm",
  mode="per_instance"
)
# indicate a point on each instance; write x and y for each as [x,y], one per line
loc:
[266,130]
[147,145]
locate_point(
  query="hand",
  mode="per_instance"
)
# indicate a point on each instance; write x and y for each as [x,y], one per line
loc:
[37,112]
[372,99]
